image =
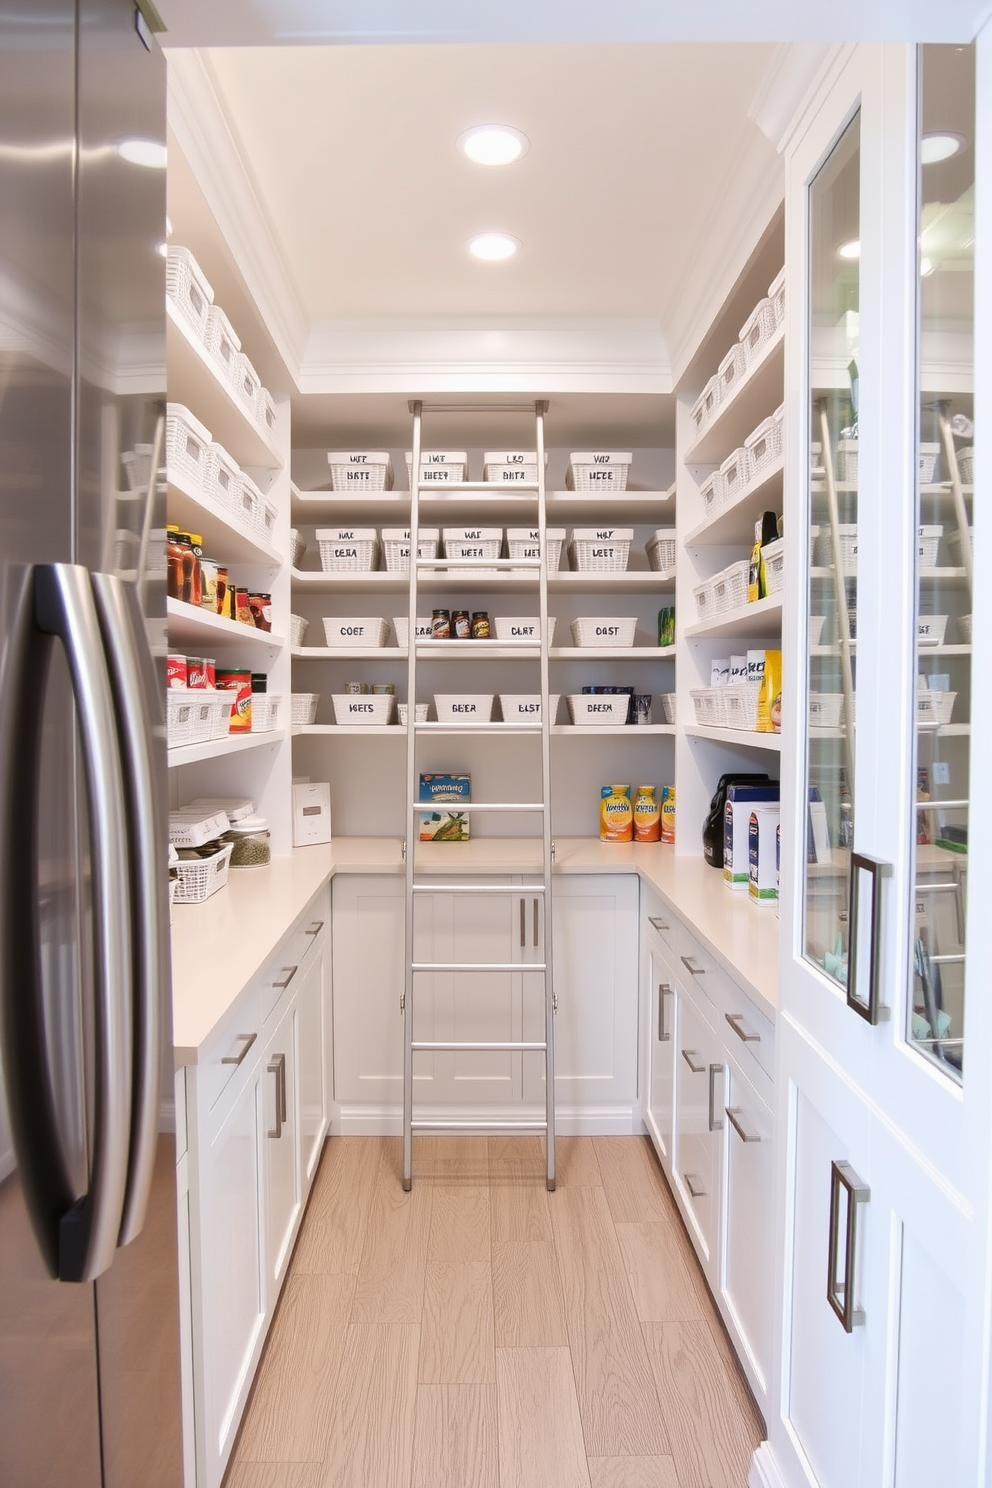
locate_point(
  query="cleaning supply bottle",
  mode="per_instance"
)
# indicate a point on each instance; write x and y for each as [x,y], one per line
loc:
[647,815]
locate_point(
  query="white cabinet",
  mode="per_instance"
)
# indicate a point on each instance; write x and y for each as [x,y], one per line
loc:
[280,1086]
[746,1277]
[658,1028]
[696,1159]
[313,1059]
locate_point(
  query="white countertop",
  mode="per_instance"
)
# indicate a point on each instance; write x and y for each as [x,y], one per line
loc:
[218,946]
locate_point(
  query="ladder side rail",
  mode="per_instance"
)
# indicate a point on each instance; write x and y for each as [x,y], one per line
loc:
[540,408]
[412,794]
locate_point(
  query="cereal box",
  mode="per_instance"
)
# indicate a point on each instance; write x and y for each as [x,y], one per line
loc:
[444,823]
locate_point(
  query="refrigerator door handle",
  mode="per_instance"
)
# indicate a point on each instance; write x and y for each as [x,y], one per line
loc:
[77,1236]
[121,628]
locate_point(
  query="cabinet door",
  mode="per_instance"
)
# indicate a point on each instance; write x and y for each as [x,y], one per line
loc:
[281,1130]
[313,1032]
[699,1074]
[748,1238]
[661,1037]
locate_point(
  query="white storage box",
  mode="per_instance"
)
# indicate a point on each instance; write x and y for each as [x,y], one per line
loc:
[735,472]
[248,386]
[246,502]
[730,587]
[188,287]
[297,547]
[266,411]
[661,550]
[954,546]
[396,546]
[668,705]
[401,627]
[731,370]
[706,405]
[303,708]
[966,464]
[191,827]
[347,549]
[773,557]
[235,808]
[438,467]
[263,512]
[826,709]
[776,293]
[470,544]
[222,344]
[363,709]
[604,630]
[927,543]
[705,596]
[196,880]
[930,630]
[223,482]
[926,462]
[186,444]
[526,707]
[934,708]
[600,549]
[598,470]
[848,535]
[525,542]
[712,493]
[464,707]
[219,703]
[298,627]
[522,628]
[182,720]
[511,467]
[764,444]
[597,709]
[740,705]
[345,630]
[758,330]
[360,470]
[847,462]
[708,703]
[265,708]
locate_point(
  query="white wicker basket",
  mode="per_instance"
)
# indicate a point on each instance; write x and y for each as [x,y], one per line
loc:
[347,549]
[401,626]
[848,535]
[758,330]
[265,712]
[773,557]
[266,411]
[526,707]
[604,630]
[464,707]
[712,493]
[926,462]
[523,628]
[365,631]
[930,630]
[298,627]
[705,597]
[964,629]
[220,702]
[248,386]
[706,405]
[966,464]
[396,546]
[438,467]
[776,293]
[927,543]
[731,370]
[730,587]
[197,879]
[268,516]
[222,344]
[661,549]
[847,462]
[735,472]
[303,708]
[246,501]
[180,716]
[525,542]
[360,470]
[708,703]
[816,624]
[363,709]
[826,709]
[187,442]
[511,467]
[934,708]
[600,549]
[740,705]
[137,467]
[224,482]
[598,470]
[597,709]
[297,547]
[188,288]
[954,545]
[765,443]
[470,544]
[668,705]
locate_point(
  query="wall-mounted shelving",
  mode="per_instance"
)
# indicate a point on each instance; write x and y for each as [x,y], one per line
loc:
[741,737]
[218,749]
[750,622]
[189,626]
[733,522]
[194,511]
[757,393]
[194,381]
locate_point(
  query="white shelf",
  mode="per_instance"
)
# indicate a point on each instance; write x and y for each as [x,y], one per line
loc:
[612,653]
[734,522]
[737,736]
[224,539]
[950,578]
[621,730]
[630,581]
[759,619]
[398,730]
[194,380]
[959,648]
[190,754]
[945,730]
[485,650]
[756,395]
[437,508]
[348,653]
[189,626]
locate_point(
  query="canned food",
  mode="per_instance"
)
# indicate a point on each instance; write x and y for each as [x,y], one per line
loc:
[441,625]
[176,674]
[259,681]
[355,689]
[461,625]
[383,689]
[240,684]
[481,630]
[196,671]
[211,666]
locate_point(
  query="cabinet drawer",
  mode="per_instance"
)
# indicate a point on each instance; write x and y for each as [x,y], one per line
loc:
[293,956]
[658,918]
[743,1028]
[234,1050]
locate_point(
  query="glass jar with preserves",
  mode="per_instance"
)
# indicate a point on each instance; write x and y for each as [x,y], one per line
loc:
[481,630]
[191,591]
[175,551]
[225,594]
[261,609]
[242,608]
[251,844]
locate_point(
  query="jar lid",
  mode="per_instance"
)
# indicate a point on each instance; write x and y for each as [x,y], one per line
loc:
[248,826]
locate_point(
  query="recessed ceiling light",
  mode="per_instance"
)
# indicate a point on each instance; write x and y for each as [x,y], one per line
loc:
[493,246]
[493,144]
[934,147]
[149,153]
[850,250]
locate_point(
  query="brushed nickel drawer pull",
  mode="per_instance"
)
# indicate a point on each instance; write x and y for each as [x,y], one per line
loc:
[658,924]
[690,1056]
[690,968]
[277,1067]
[734,1114]
[291,972]
[736,1021]
[692,1183]
[664,1032]
[248,1040]
[315,928]
[715,1121]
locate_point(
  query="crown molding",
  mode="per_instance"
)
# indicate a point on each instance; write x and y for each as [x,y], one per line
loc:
[202,126]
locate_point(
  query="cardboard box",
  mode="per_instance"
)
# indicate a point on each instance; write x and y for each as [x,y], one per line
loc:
[445,823]
[311,813]
[762,885]
[736,818]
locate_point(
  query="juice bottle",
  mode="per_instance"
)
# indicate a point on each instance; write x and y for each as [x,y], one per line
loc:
[668,814]
[616,818]
[647,815]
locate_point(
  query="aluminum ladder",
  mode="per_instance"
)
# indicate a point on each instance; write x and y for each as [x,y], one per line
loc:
[417,649]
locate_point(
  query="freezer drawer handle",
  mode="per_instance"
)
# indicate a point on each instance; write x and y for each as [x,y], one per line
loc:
[737,1023]
[868,1007]
[840,1290]
[690,1056]
[246,1040]
[734,1114]
[691,967]
[664,993]
[694,1185]
[277,1067]
[715,1121]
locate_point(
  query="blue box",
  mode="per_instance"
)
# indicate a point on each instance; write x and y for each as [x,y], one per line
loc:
[445,792]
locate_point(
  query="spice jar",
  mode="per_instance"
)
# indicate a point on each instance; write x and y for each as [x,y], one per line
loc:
[208,585]
[251,846]
[441,625]
[242,609]
[261,610]
[191,584]
[481,630]
[174,553]
[461,625]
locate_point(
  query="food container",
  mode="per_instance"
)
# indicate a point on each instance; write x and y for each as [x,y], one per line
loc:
[464,707]
[261,610]
[250,841]
[481,628]
[240,684]
[360,470]
[526,707]
[597,710]
[176,672]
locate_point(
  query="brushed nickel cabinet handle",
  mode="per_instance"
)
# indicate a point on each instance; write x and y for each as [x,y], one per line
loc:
[692,969]
[664,1032]
[658,924]
[315,928]
[694,1185]
[734,1114]
[537,923]
[868,1007]
[737,1023]
[247,1039]
[523,923]
[690,1056]
[840,1289]
[715,1122]
[290,973]
[277,1067]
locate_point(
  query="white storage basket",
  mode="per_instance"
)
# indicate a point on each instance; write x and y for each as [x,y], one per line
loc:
[246,502]
[597,709]
[267,519]
[438,467]
[223,481]
[222,344]
[758,330]
[966,465]
[511,467]
[705,597]
[470,544]
[188,287]
[668,705]
[219,702]
[198,878]
[964,629]
[347,549]
[816,624]
[360,470]
[266,411]
[396,546]
[706,405]
[464,707]
[346,630]
[248,386]
[930,630]
[740,705]
[847,462]
[848,535]
[298,627]
[525,542]
[600,549]
[363,709]
[730,587]
[926,463]
[773,557]
[661,549]
[826,709]
[180,716]
[954,546]
[297,547]
[137,467]
[712,493]
[598,470]
[934,708]
[765,443]
[263,514]
[401,626]
[604,630]
[187,442]
[708,703]
[776,293]
[303,708]
[731,370]
[523,628]
[526,707]
[189,827]
[735,472]
[927,543]
[265,712]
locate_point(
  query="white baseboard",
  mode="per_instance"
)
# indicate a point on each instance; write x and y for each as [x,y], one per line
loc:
[764,1471]
[583,1121]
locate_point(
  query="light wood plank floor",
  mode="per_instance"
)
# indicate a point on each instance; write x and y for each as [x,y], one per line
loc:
[480,1332]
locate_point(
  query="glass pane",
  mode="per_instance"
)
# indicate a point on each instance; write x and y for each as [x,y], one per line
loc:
[834,235]
[943,560]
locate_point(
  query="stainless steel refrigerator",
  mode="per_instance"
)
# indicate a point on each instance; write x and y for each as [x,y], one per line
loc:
[89,1292]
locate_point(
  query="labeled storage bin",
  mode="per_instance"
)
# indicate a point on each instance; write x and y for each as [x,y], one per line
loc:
[598,470]
[298,627]
[758,330]
[525,542]
[511,467]
[764,444]
[438,467]
[188,287]
[934,708]
[661,550]
[597,709]
[360,470]
[401,626]
[265,708]
[773,557]
[472,544]
[604,630]
[464,707]
[740,705]
[347,549]
[712,493]
[222,344]
[600,549]
[826,709]
[223,482]
[303,708]
[345,630]
[848,535]
[396,546]
[966,464]
[363,709]
[847,462]
[187,443]
[730,587]
[930,630]
[526,707]
[731,370]
[735,472]
[198,878]
[523,628]
[927,543]
[926,463]
[668,706]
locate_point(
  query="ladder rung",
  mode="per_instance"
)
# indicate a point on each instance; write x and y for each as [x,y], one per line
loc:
[478,1126]
[477,888]
[495,488]
[478,966]
[468,1048]
[420,807]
